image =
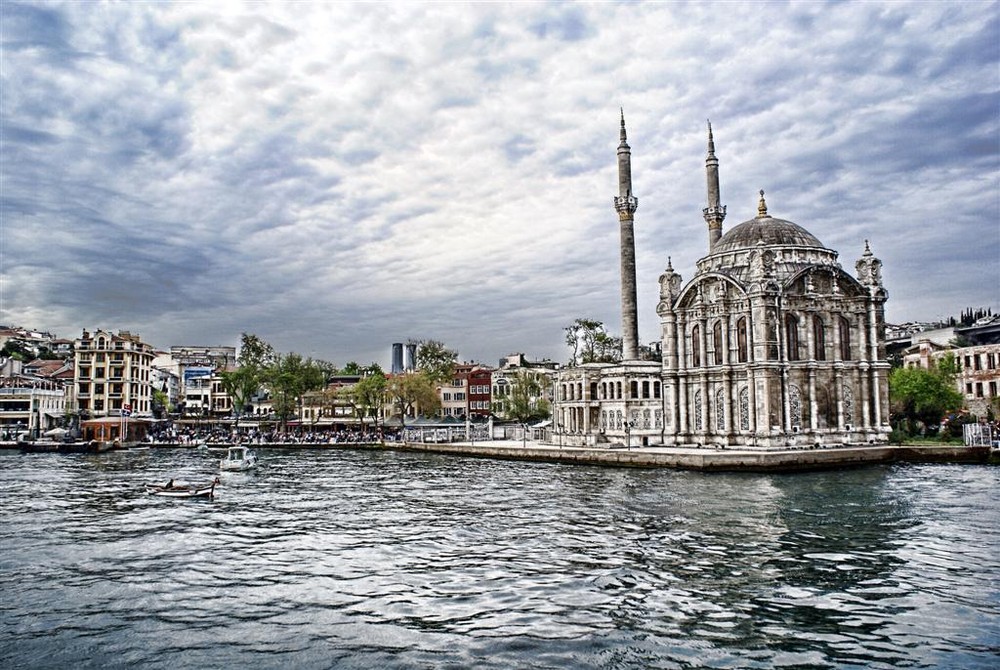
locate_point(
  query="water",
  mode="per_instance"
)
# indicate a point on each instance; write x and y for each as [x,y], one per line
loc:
[360,559]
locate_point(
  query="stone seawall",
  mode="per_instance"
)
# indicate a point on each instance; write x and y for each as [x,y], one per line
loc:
[710,459]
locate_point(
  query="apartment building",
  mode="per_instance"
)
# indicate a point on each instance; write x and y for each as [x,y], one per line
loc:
[112,373]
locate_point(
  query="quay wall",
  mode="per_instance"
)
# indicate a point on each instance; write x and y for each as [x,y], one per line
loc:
[716,460]
[709,460]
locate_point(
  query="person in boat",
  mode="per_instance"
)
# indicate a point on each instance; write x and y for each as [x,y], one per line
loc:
[170,484]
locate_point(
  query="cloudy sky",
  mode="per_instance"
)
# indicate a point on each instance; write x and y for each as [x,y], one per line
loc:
[336,177]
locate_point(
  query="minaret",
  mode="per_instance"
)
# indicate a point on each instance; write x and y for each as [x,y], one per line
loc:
[625,205]
[714,213]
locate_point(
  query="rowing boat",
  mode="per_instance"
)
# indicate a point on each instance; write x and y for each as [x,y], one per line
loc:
[171,490]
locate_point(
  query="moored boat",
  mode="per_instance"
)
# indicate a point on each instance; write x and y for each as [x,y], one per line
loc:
[238,458]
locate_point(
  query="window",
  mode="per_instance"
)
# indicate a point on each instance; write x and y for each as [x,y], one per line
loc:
[845,338]
[792,337]
[819,339]
[634,389]
[993,389]
[717,342]
[645,389]
[459,396]
[656,389]
[696,347]
[741,340]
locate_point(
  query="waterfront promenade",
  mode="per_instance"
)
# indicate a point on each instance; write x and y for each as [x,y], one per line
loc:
[709,459]
[682,458]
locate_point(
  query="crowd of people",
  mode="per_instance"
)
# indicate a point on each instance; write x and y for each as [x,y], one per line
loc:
[188,435]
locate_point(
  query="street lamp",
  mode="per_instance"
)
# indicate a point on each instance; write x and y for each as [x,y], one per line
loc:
[629,425]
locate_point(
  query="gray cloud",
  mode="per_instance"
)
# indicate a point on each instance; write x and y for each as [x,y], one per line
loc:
[338,177]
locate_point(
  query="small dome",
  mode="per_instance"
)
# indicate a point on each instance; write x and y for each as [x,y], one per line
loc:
[771,231]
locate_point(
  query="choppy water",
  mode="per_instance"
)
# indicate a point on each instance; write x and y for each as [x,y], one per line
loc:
[361,559]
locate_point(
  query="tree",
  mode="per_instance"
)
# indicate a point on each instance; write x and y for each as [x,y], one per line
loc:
[16,350]
[351,368]
[355,369]
[924,396]
[255,352]
[254,358]
[591,343]
[525,402]
[159,404]
[412,391]
[367,397]
[436,361]
[289,377]
[240,384]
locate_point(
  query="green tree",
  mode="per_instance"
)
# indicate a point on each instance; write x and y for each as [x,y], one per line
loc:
[289,377]
[16,350]
[436,361]
[352,368]
[255,352]
[591,343]
[923,396]
[367,397]
[411,392]
[159,404]
[245,381]
[525,402]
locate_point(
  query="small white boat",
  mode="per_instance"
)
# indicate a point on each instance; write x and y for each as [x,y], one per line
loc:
[238,458]
[171,490]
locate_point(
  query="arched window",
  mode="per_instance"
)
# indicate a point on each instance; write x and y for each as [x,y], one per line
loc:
[819,339]
[741,340]
[845,338]
[696,347]
[656,389]
[619,391]
[791,337]
[634,389]
[717,341]
[645,389]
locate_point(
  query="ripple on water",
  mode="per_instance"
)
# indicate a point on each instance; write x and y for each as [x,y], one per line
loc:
[365,559]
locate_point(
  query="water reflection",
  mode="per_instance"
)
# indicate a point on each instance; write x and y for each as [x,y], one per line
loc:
[365,559]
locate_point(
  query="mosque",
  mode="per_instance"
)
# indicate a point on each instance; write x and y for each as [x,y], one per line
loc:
[770,345]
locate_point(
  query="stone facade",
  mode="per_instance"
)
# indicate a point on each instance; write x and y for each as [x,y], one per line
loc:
[771,344]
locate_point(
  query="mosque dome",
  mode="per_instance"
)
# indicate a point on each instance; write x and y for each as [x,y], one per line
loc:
[767,229]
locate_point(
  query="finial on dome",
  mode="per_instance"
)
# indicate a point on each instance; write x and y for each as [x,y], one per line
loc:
[670,265]
[622,133]
[762,206]
[868,249]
